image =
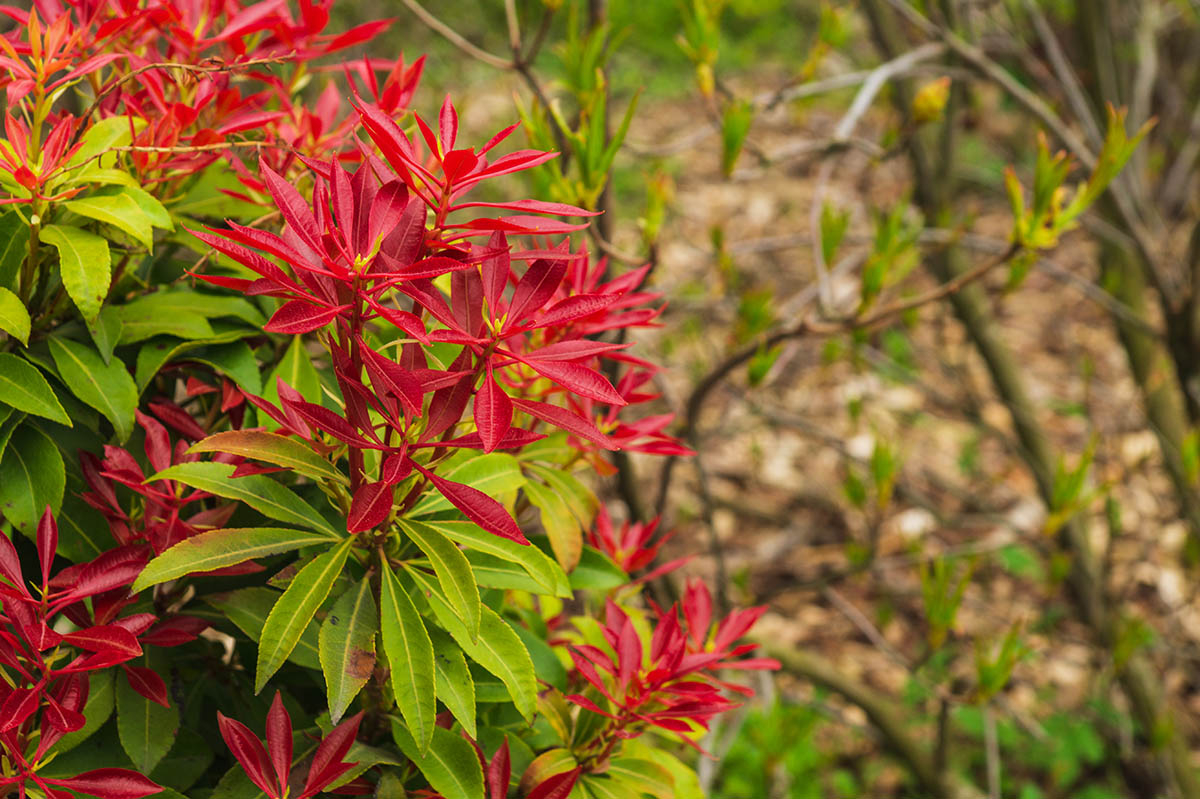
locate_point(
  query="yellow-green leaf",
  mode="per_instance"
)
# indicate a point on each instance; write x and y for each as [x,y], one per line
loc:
[410,658]
[295,609]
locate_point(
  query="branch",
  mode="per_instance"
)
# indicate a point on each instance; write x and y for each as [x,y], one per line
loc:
[455,38]
[810,326]
[887,718]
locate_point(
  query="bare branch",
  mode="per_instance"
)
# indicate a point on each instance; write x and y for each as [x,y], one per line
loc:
[455,38]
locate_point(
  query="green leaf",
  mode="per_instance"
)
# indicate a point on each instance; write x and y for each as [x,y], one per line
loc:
[494,474]
[32,476]
[106,332]
[184,314]
[449,763]
[146,729]
[455,686]
[189,757]
[260,492]
[347,646]
[410,657]
[579,498]
[296,608]
[85,263]
[644,775]
[236,361]
[138,324]
[491,572]
[272,448]
[101,700]
[453,572]
[23,387]
[296,370]
[14,246]
[735,124]
[561,526]
[82,532]
[548,575]
[497,649]
[14,319]
[158,352]
[107,387]
[248,609]
[154,210]
[118,210]
[597,572]
[101,137]
[216,549]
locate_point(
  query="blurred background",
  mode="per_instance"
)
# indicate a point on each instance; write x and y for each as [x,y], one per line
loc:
[946,427]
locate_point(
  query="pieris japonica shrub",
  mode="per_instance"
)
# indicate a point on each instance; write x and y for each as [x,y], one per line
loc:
[297,435]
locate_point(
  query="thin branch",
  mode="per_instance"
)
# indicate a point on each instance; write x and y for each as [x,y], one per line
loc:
[1034,104]
[1065,73]
[514,28]
[455,38]
[886,717]
[810,326]
[202,68]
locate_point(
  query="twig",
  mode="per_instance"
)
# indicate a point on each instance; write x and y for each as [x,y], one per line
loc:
[875,82]
[864,625]
[886,717]
[991,747]
[767,101]
[455,38]
[514,28]
[194,68]
[1125,201]
[809,326]
[1065,73]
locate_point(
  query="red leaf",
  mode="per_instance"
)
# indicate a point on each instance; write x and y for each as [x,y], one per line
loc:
[115,568]
[106,638]
[496,270]
[581,380]
[531,225]
[175,631]
[327,763]
[566,420]
[388,375]
[447,125]
[447,405]
[581,350]
[410,323]
[515,438]
[158,442]
[110,783]
[297,316]
[493,412]
[250,754]
[371,505]
[147,683]
[321,418]
[10,565]
[532,206]
[574,308]
[358,34]
[296,212]
[18,706]
[535,288]
[477,506]
[558,786]
[395,468]
[47,542]
[175,417]
[279,739]
[499,773]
